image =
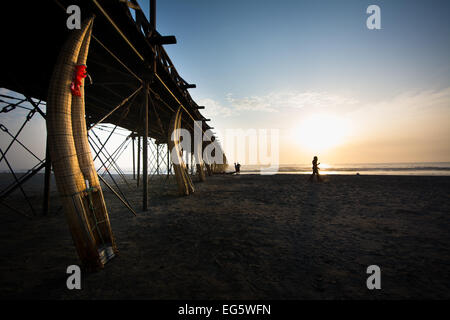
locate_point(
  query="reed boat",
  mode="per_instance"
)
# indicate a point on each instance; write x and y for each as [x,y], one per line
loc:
[184,182]
[75,174]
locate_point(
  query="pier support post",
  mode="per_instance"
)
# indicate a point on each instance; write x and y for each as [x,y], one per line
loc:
[157,159]
[187,161]
[47,176]
[168,160]
[145,151]
[133,138]
[139,161]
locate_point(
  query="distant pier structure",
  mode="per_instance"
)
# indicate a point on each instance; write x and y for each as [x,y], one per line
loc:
[132,84]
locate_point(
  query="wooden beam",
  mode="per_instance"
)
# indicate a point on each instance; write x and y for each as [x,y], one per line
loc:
[118,29]
[130,4]
[189,86]
[153,14]
[162,40]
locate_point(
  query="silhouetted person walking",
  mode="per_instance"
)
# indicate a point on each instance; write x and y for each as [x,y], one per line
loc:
[237,168]
[315,170]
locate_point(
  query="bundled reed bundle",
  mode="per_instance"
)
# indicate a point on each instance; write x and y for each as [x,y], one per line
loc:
[199,162]
[185,185]
[220,167]
[75,174]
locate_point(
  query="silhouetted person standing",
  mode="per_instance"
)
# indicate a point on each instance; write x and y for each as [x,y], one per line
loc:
[315,170]
[238,168]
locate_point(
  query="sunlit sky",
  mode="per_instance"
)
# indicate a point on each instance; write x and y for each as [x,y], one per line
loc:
[312,70]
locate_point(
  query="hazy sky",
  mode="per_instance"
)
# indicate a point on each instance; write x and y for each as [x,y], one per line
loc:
[278,64]
[315,72]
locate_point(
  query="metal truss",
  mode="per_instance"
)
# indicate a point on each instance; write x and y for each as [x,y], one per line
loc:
[8,104]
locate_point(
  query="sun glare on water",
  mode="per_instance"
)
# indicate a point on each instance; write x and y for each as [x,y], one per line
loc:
[319,132]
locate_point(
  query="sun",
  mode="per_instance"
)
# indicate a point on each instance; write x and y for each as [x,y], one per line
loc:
[321,132]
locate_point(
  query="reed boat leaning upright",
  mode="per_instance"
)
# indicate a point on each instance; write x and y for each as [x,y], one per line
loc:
[184,182]
[71,159]
[98,217]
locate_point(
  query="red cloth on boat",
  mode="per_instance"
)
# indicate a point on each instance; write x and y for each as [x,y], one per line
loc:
[80,74]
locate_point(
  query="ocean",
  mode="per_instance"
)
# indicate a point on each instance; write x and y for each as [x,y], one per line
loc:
[416,168]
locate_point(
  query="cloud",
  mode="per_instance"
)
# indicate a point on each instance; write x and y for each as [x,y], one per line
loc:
[255,103]
[420,115]
[215,109]
[275,102]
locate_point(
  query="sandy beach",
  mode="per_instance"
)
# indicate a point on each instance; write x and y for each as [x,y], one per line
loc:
[245,237]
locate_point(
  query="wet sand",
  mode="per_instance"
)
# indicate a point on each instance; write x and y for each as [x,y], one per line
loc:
[245,237]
